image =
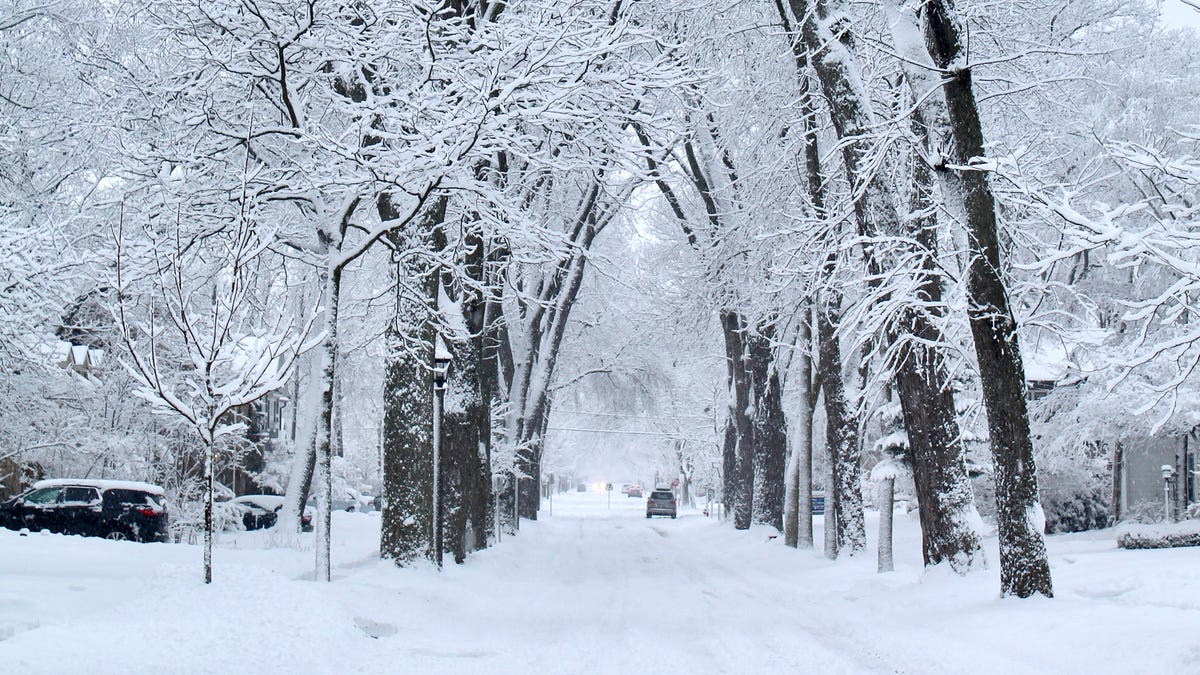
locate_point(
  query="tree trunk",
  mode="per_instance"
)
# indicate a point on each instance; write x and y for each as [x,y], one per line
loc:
[209,479]
[728,461]
[943,489]
[742,480]
[299,482]
[831,537]
[458,477]
[407,519]
[407,527]
[922,383]
[324,448]
[1024,568]
[529,463]
[887,494]
[841,435]
[1118,470]
[466,428]
[798,524]
[769,429]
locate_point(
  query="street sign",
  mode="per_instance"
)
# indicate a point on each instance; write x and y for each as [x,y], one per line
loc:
[608,487]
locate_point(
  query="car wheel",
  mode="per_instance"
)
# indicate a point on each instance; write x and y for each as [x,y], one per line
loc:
[672,516]
[118,535]
[647,516]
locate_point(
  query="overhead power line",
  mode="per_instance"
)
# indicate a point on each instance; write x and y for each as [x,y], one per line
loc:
[625,414]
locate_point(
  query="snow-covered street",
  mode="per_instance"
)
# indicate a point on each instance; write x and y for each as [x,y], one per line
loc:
[589,589]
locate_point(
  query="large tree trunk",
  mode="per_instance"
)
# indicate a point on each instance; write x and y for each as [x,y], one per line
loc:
[466,430]
[729,461]
[530,464]
[1024,569]
[407,519]
[841,435]
[922,383]
[742,480]
[769,429]
[458,483]
[407,527]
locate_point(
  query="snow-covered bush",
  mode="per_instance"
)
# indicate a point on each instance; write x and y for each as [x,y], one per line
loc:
[1161,535]
[1076,511]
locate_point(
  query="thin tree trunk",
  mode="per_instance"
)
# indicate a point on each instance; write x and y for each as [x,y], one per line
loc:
[887,494]
[209,493]
[1118,470]
[299,482]
[831,527]
[798,523]
[1024,568]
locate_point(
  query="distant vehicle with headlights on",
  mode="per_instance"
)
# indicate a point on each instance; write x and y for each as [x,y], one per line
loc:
[660,503]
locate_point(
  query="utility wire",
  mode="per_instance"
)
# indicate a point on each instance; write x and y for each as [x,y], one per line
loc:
[633,416]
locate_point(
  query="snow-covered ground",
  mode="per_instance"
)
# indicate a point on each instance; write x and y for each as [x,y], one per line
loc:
[590,589]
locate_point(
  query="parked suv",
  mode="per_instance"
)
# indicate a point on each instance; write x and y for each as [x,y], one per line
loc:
[120,510]
[660,503]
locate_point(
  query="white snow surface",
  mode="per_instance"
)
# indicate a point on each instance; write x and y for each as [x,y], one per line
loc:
[100,484]
[593,590]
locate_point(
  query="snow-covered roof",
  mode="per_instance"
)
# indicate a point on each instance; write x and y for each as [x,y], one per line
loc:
[78,357]
[99,484]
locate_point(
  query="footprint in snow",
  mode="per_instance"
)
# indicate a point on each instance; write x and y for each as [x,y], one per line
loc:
[375,629]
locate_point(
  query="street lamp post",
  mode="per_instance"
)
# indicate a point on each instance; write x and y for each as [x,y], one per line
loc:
[441,367]
[1168,472]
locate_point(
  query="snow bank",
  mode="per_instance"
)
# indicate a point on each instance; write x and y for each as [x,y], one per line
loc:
[594,588]
[1159,535]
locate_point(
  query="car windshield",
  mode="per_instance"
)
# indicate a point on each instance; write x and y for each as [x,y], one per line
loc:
[43,496]
[662,496]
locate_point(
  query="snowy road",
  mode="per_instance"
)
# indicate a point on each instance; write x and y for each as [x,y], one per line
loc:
[591,589]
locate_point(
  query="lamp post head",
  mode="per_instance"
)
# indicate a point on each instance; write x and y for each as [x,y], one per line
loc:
[1167,471]
[441,364]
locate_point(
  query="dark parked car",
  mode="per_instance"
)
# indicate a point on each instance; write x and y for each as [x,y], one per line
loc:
[259,512]
[120,510]
[661,503]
